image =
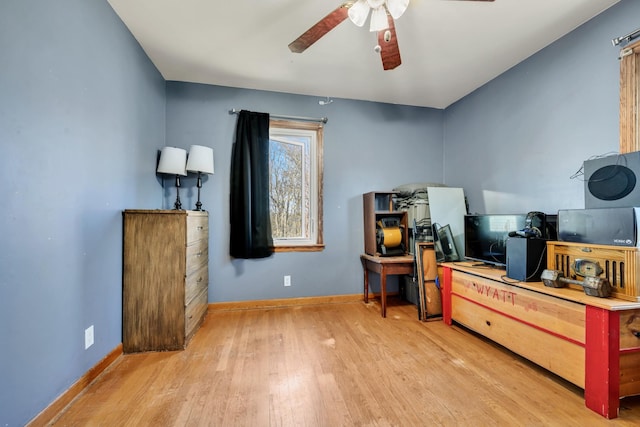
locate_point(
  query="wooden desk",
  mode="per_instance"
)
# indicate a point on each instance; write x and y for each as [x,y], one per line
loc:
[592,342]
[384,266]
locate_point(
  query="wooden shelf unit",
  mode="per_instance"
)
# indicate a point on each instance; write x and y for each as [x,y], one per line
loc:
[378,205]
[619,264]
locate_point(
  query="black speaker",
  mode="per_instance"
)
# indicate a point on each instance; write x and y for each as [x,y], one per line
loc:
[526,258]
[612,181]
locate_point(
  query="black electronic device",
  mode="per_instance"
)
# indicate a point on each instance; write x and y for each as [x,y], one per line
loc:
[604,226]
[485,236]
[526,258]
[551,227]
[535,225]
[444,244]
[612,181]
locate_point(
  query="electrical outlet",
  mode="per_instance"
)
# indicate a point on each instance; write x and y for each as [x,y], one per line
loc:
[88,337]
[287,280]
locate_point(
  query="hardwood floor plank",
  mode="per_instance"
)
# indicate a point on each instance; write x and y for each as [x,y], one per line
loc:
[333,365]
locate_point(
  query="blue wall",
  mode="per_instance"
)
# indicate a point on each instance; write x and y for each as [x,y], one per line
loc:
[82,114]
[367,146]
[514,143]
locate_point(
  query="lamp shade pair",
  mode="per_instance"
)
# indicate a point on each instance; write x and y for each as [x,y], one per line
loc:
[174,161]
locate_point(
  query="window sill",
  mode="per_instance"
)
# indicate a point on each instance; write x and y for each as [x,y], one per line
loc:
[299,248]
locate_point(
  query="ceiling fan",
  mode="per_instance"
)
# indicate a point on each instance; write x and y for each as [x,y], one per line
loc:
[383,16]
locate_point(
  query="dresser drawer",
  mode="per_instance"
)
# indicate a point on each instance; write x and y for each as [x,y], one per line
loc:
[197,256]
[195,283]
[629,327]
[557,316]
[564,358]
[195,312]
[197,227]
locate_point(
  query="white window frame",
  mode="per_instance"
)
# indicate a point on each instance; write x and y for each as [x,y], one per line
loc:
[313,130]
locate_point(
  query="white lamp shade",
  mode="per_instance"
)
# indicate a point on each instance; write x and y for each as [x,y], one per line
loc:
[173,161]
[200,159]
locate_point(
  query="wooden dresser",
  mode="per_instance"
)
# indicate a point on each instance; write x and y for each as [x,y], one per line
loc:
[165,278]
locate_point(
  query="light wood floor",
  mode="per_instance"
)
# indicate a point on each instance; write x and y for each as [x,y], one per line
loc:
[333,365]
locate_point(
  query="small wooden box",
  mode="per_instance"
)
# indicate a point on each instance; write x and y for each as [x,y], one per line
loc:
[620,264]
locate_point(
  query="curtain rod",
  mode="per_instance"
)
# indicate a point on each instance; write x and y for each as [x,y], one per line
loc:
[308,119]
[627,38]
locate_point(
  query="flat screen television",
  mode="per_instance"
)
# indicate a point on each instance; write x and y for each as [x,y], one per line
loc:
[485,236]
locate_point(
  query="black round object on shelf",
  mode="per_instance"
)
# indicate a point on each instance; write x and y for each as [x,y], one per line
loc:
[612,182]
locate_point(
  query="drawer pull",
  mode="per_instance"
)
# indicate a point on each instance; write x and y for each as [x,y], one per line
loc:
[199,279]
[488,323]
[200,228]
[199,254]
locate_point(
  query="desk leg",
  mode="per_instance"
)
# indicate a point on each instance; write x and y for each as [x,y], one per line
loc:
[366,281]
[383,291]
[602,361]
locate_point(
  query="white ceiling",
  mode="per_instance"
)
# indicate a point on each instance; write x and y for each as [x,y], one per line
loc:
[448,48]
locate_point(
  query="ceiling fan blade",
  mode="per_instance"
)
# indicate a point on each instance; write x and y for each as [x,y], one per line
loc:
[321,28]
[389,50]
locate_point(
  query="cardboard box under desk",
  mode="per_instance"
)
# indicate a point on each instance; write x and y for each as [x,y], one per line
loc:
[619,263]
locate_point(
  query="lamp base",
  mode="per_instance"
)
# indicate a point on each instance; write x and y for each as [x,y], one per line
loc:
[178,204]
[199,185]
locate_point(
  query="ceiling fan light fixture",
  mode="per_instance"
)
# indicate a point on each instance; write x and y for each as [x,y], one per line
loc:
[359,12]
[379,19]
[397,7]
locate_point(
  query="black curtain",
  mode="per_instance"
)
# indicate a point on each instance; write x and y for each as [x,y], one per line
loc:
[249,207]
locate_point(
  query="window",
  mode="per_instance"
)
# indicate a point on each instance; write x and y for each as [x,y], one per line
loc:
[295,185]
